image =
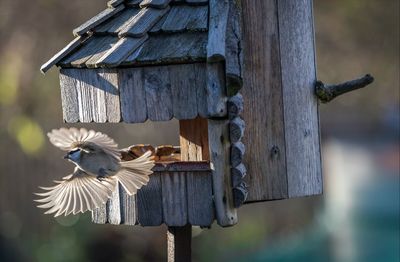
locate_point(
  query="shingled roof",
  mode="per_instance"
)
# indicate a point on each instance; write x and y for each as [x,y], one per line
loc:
[132,32]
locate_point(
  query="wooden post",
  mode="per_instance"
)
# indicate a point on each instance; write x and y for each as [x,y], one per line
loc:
[194,147]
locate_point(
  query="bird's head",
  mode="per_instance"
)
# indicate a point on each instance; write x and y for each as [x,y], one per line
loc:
[74,155]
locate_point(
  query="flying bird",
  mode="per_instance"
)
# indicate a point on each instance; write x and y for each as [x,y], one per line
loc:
[98,171]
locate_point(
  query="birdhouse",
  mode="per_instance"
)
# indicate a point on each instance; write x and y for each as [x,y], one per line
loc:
[214,65]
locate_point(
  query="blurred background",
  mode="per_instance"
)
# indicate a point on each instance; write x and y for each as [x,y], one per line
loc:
[357,218]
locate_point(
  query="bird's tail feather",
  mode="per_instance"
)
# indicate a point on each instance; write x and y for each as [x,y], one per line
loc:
[135,173]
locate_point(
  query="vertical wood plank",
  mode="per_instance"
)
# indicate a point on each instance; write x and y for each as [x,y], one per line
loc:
[149,202]
[128,208]
[265,158]
[300,104]
[183,89]
[174,198]
[99,215]
[158,93]
[99,105]
[133,96]
[216,91]
[200,71]
[69,96]
[85,92]
[114,207]
[194,147]
[218,135]
[109,83]
[219,10]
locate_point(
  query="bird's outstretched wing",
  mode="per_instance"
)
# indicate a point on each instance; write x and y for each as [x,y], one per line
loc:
[76,193]
[69,139]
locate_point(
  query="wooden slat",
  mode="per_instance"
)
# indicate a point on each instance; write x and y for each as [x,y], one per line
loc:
[103,46]
[149,202]
[216,96]
[174,198]
[183,89]
[263,114]
[200,198]
[194,141]
[300,104]
[200,71]
[69,97]
[183,17]
[99,105]
[73,45]
[115,24]
[133,96]
[98,19]
[158,93]
[218,135]
[84,91]
[234,54]
[113,207]
[134,3]
[128,206]
[110,85]
[170,48]
[99,215]
[155,3]
[219,10]
[138,25]
[184,166]
[114,3]
[120,51]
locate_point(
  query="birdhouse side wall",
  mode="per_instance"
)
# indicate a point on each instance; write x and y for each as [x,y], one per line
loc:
[280,109]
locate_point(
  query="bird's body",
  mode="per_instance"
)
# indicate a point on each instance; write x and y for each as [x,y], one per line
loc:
[98,170]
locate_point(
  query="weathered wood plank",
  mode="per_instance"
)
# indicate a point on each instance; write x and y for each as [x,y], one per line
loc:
[149,202]
[99,109]
[138,25]
[109,83]
[265,158]
[174,198]
[114,3]
[235,106]
[216,95]
[113,207]
[134,3]
[120,51]
[218,135]
[185,166]
[99,215]
[128,208]
[84,91]
[184,17]
[170,48]
[98,19]
[133,96]
[158,93]
[219,10]
[154,3]
[237,153]
[236,129]
[69,97]
[300,104]
[61,54]
[200,198]
[194,140]
[183,89]
[115,24]
[234,54]
[200,71]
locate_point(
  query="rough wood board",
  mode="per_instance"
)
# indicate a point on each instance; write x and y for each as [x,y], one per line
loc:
[158,93]
[109,83]
[216,90]
[99,215]
[149,202]
[98,19]
[194,140]
[219,10]
[133,96]
[200,71]
[155,3]
[183,89]
[174,198]
[300,104]
[69,97]
[113,207]
[115,24]
[128,208]
[263,114]
[218,135]
[192,18]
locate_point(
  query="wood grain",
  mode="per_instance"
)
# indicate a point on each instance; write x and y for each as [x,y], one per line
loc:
[265,158]
[69,96]
[216,91]
[236,129]
[300,104]
[218,135]
[219,10]
[133,96]
[174,198]
[149,202]
[113,207]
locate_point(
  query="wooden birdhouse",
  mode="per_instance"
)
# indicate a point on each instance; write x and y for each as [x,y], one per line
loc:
[214,65]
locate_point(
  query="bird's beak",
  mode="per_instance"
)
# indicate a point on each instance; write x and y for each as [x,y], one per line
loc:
[66,156]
